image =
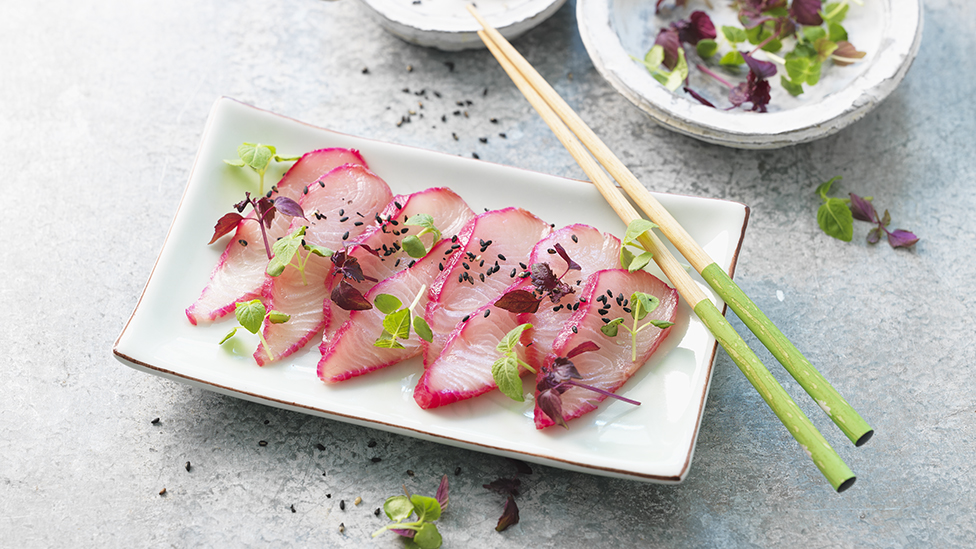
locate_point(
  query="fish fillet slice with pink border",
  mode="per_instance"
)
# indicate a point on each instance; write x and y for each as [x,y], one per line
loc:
[450,213]
[610,366]
[501,240]
[239,273]
[470,349]
[349,189]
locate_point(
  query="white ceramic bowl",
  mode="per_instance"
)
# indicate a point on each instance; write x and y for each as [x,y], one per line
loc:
[889,31]
[447,25]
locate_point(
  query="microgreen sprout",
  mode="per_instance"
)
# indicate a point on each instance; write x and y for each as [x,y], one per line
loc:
[344,294]
[558,378]
[264,212]
[836,218]
[250,315]
[399,321]
[641,305]
[505,370]
[412,244]
[628,260]
[258,157]
[289,248]
[545,283]
[422,532]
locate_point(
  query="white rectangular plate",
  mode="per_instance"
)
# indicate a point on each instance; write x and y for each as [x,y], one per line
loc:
[652,442]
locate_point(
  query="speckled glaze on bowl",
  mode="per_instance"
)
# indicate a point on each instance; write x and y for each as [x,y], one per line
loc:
[889,31]
[447,25]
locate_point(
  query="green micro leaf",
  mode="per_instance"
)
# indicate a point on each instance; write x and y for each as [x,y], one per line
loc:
[788,85]
[662,324]
[250,315]
[641,304]
[428,509]
[673,80]
[398,324]
[611,328]
[834,12]
[813,34]
[284,250]
[734,34]
[803,69]
[636,228]
[238,163]
[511,339]
[824,188]
[256,155]
[427,222]
[706,48]
[387,303]
[836,32]
[385,341]
[428,537]
[835,218]
[732,59]
[413,246]
[423,329]
[640,261]
[229,335]
[654,57]
[320,251]
[398,508]
[506,375]
[278,317]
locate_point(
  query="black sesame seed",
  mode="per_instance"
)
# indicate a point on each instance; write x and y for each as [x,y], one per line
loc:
[482,276]
[410,473]
[345,235]
[293,509]
[522,265]
[457,471]
[627,309]
[575,239]
[376,459]
[440,266]
[342,505]
[575,331]
[411,264]
[358,223]
[487,312]
[187,466]
[377,511]
[465,319]
[371,444]
[500,256]
[343,219]
[262,443]
[460,278]
[320,447]
[483,139]
[155,421]
[475,155]
[513,273]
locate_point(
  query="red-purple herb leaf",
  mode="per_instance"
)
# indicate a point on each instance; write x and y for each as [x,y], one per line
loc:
[584,347]
[266,211]
[403,532]
[571,265]
[698,97]
[521,467]
[758,92]
[225,224]
[519,301]
[546,281]
[289,207]
[504,486]
[763,69]
[874,235]
[861,209]
[510,515]
[806,12]
[348,266]
[349,298]
[844,52]
[697,27]
[551,404]
[442,496]
[901,239]
[668,39]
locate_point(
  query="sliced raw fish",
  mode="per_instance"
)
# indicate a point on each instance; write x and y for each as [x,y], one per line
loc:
[592,251]
[333,209]
[239,274]
[350,352]
[450,214]
[610,366]
[462,370]
[498,250]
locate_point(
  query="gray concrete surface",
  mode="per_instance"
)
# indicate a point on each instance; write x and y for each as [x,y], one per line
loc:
[102,105]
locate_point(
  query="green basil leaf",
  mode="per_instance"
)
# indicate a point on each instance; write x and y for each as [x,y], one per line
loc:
[428,537]
[320,251]
[835,12]
[647,304]
[397,323]
[788,85]
[636,228]
[733,59]
[250,315]
[662,324]
[398,508]
[610,328]
[835,219]
[824,188]
[413,246]
[284,250]
[506,375]
[734,34]
[706,48]
[626,257]
[654,57]
[427,509]
[255,155]
[507,343]
[640,262]
[836,32]
[813,34]
[423,329]
[386,341]
[387,303]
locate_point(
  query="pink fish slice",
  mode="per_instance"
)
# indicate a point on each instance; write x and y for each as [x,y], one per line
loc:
[463,368]
[333,209]
[449,213]
[351,351]
[605,295]
[499,247]
[239,274]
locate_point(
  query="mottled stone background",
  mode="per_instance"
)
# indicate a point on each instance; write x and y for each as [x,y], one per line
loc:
[102,104]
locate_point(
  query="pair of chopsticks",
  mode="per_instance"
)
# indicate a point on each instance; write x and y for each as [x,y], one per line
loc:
[571,130]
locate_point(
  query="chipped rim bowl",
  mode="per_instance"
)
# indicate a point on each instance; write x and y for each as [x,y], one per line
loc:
[447,25]
[889,31]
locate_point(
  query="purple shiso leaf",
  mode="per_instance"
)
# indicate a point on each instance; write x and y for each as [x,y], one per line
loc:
[573,266]
[752,18]
[758,92]
[510,515]
[739,94]
[519,301]
[582,348]
[668,39]
[521,467]
[225,224]
[442,496]
[861,209]
[289,207]
[764,69]
[404,532]
[874,235]
[266,211]
[504,486]
[551,404]
[697,96]
[349,298]
[698,27]
[901,239]
[806,12]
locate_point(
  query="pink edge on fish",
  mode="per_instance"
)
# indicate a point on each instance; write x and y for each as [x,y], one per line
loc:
[239,273]
[609,367]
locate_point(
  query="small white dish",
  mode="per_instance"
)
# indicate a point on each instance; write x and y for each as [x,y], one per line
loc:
[653,442]
[447,24]
[889,31]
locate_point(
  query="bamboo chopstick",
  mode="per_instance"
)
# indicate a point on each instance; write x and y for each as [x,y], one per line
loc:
[829,400]
[823,455]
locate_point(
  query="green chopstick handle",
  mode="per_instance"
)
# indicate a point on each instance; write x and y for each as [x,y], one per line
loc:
[830,401]
[824,456]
